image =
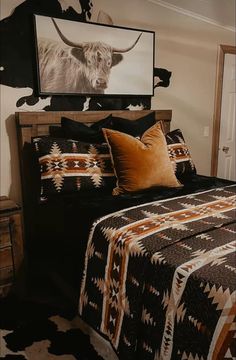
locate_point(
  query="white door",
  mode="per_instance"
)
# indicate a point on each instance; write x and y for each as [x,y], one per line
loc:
[226,155]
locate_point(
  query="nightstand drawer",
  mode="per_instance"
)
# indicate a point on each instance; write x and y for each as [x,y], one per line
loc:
[6,257]
[5,236]
[11,247]
[6,275]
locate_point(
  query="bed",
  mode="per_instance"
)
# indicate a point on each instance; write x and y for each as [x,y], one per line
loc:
[151,269]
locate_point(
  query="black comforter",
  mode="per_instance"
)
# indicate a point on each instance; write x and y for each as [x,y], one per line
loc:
[60,226]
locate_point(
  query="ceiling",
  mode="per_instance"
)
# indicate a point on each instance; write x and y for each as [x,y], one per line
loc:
[217,12]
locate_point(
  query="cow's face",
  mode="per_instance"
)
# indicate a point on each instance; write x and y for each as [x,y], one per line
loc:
[98,59]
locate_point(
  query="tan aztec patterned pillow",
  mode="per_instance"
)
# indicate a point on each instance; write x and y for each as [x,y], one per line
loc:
[180,155]
[69,166]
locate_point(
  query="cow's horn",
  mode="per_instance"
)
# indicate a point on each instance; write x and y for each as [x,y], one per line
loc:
[128,48]
[64,39]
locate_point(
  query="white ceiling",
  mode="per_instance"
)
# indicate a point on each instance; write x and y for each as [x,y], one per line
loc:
[217,12]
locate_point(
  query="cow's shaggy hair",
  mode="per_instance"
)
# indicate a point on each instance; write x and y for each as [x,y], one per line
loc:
[65,69]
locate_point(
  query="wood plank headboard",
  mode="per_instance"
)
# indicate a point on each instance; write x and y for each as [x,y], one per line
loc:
[31,124]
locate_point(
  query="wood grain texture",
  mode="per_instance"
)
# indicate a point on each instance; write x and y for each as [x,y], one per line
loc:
[31,124]
[11,243]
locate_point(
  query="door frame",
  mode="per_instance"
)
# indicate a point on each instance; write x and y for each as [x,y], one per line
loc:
[222,50]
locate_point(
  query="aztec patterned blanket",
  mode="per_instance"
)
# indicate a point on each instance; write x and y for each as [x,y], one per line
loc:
[159,278]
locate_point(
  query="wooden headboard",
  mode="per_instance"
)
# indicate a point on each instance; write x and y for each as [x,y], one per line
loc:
[31,124]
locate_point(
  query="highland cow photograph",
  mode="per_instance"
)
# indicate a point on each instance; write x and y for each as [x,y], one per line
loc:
[92,59]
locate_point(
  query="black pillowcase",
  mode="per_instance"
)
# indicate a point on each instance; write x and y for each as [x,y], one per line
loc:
[134,128]
[76,130]
[81,132]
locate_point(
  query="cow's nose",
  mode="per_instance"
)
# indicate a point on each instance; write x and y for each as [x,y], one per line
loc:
[101,82]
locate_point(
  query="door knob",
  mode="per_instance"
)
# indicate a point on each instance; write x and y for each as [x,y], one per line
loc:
[225,149]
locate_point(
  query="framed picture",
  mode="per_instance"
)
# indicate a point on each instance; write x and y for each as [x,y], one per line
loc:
[77,58]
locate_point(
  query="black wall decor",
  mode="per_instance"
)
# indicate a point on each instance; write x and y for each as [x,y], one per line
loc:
[18,66]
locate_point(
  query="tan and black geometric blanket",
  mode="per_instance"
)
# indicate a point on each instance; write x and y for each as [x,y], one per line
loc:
[160,278]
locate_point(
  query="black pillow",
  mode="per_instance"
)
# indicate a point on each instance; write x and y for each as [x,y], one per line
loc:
[131,127]
[56,131]
[103,123]
[78,131]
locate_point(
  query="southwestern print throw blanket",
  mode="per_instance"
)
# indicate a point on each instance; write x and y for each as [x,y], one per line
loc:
[159,278]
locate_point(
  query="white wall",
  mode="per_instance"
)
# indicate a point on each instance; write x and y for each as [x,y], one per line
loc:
[187,47]
[184,45]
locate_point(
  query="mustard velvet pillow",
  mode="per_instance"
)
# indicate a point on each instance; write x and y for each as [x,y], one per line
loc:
[140,164]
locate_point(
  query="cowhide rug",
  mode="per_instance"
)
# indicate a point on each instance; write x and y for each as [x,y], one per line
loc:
[36,332]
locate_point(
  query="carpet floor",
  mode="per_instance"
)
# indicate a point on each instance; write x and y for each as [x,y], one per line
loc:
[32,331]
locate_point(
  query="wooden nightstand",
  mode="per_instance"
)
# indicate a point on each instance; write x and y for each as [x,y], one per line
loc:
[11,243]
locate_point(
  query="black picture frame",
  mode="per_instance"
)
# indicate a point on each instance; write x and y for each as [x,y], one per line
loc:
[80,58]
